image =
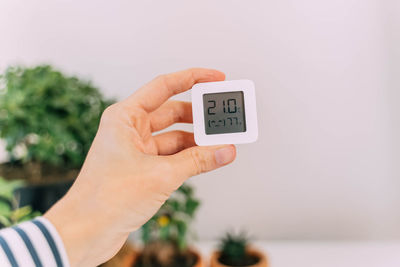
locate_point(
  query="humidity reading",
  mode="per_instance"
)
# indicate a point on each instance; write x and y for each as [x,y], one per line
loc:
[224,113]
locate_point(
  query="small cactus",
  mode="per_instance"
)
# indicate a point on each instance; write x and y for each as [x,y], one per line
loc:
[234,250]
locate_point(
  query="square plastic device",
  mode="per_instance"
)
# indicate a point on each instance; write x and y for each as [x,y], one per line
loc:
[224,112]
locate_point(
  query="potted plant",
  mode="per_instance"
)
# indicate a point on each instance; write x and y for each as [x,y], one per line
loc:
[165,236]
[10,213]
[234,250]
[48,121]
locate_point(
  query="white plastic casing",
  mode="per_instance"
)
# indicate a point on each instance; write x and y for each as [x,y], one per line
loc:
[251,133]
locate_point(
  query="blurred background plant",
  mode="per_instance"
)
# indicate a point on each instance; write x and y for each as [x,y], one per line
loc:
[47,119]
[166,235]
[10,214]
[171,222]
[234,251]
[232,248]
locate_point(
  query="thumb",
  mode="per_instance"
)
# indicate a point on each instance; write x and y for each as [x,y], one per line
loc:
[199,159]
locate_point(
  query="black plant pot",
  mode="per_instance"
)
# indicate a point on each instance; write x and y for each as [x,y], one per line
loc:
[42,196]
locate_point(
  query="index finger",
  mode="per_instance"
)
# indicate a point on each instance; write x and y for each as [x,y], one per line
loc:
[159,90]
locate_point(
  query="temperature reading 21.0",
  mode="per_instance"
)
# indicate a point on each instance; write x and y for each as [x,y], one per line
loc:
[224,112]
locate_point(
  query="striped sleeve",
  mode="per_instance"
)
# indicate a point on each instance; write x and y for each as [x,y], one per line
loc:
[32,243]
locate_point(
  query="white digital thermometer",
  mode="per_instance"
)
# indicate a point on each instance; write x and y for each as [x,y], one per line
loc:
[224,112]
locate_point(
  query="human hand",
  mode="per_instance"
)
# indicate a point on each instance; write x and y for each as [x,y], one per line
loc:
[129,172]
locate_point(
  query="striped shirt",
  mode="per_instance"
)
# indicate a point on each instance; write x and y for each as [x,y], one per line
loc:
[32,243]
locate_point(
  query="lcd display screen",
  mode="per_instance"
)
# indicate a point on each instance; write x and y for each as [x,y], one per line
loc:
[224,112]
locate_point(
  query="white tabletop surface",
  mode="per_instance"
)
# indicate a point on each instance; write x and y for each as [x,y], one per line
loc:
[324,254]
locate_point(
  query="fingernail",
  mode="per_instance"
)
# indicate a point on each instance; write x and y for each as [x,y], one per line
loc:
[224,155]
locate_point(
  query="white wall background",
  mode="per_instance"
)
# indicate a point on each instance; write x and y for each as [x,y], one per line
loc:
[326,165]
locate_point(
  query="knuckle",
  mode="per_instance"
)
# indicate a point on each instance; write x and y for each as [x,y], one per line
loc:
[169,167]
[169,173]
[199,162]
[191,77]
[166,166]
[163,81]
[177,113]
[181,139]
[180,110]
[160,77]
[192,71]
[108,113]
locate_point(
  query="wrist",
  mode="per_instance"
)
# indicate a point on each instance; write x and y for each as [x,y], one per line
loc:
[65,220]
[88,235]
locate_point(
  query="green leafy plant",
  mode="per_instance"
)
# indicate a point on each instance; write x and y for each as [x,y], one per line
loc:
[165,236]
[47,117]
[10,214]
[171,222]
[233,249]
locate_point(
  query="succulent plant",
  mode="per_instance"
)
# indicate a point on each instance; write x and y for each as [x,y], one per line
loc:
[233,247]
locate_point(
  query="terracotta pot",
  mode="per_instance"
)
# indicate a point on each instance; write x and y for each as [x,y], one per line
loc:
[200,262]
[261,263]
[126,257]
